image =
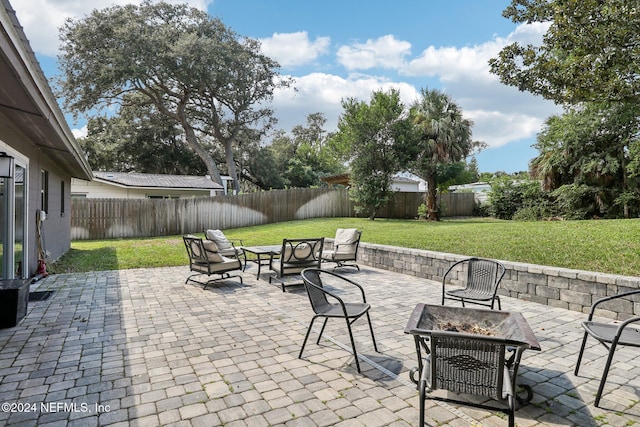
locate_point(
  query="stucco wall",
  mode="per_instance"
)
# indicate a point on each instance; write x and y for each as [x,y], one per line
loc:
[558,287]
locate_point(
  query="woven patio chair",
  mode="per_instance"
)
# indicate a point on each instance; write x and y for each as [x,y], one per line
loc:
[326,303]
[610,335]
[480,279]
[204,258]
[295,256]
[345,248]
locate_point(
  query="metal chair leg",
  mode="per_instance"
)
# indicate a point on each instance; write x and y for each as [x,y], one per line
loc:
[306,336]
[584,343]
[605,373]
[322,330]
[353,345]
[375,346]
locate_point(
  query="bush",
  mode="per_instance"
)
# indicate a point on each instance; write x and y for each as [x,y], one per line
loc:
[507,197]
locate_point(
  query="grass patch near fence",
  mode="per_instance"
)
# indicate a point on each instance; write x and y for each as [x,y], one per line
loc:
[607,246]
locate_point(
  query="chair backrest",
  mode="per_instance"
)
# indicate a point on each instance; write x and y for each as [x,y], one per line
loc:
[484,275]
[201,252]
[313,283]
[465,364]
[347,240]
[303,252]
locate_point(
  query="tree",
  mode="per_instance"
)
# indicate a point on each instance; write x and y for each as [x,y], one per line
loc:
[142,140]
[304,156]
[193,69]
[377,134]
[586,159]
[441,136]
[589,53]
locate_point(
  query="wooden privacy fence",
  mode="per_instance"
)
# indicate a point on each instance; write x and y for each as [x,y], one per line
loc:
[120,218]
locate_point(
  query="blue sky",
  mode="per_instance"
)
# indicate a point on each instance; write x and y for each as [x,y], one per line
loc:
[350,48]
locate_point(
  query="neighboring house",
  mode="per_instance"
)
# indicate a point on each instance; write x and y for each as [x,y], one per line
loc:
[42,154]
[480,190]
[405,182]
[130,185]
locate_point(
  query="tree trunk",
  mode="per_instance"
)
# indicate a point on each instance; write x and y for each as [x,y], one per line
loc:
[192,140]
[231,166]
[432,207]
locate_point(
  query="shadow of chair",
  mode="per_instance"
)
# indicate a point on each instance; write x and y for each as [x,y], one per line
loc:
[479,284]
[295,255]
[226,247]
[327,304]
[610,335]
[345,248]
[204,258]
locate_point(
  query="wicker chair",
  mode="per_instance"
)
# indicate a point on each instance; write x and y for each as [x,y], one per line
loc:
[326,303]
[483,278]
[468,364]
[295,256]
[610,335]
[204,258]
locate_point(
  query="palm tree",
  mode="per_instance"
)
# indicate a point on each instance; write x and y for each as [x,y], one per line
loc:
[442,136]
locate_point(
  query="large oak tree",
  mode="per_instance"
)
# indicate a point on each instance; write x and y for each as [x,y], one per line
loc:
[192,68]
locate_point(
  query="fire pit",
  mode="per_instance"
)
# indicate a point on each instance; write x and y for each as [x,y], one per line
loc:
[466,352]
[510,326]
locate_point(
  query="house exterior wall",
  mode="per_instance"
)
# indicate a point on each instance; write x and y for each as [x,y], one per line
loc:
[98,190]
[56,229]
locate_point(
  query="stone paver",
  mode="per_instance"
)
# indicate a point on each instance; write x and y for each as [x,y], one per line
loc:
[139,347]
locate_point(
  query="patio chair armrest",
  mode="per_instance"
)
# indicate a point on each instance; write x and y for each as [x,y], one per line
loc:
[625,324]
[609,298]
[349,281]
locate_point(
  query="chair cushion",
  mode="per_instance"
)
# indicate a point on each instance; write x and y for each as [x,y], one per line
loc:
[302,252]
[346,236]
[213,254]
[219,238]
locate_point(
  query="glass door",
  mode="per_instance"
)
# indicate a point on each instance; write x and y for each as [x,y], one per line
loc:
[20,209]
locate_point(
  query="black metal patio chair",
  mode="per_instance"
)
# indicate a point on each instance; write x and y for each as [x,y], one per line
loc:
[345,248]
[295,256]
[328,304]
[204,258]
[610,335]
[480,279]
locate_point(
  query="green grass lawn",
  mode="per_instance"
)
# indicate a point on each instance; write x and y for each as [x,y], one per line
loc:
[608,246]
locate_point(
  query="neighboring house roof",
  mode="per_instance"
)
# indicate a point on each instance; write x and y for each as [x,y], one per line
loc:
[147,180]
[27,101]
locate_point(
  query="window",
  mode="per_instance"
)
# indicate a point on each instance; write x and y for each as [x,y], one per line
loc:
[62,195]
[44,190]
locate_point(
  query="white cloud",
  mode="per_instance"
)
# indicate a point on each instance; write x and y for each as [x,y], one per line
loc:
[81,132]
[320,92]
[42,19]
[385,52]
[292,49]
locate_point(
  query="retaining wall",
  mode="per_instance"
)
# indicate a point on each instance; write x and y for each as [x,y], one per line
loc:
[558,287]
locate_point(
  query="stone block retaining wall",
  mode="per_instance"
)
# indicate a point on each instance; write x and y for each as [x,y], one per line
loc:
[558,287]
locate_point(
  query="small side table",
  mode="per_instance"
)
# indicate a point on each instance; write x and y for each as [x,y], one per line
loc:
[14,298]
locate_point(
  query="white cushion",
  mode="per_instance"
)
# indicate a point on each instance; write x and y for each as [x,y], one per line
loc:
[346,236]
[220,239]
[211,249]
